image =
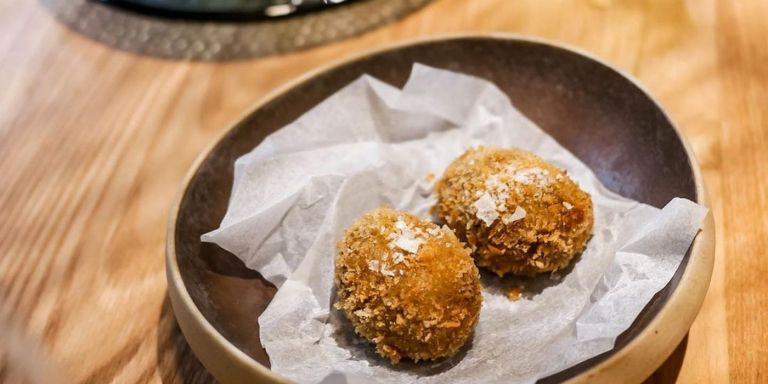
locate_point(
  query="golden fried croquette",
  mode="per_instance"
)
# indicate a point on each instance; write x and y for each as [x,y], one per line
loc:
[518,213]
[407,285]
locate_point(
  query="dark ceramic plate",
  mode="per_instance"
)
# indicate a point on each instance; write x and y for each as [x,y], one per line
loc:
[602,116]
[199,8]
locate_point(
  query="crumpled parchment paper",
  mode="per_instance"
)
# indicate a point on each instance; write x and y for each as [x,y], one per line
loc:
[371,144]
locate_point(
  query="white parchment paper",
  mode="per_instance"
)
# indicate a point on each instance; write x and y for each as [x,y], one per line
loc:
[371,144]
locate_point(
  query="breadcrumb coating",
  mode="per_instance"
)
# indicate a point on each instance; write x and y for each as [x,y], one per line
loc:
[407,285]
[518,213]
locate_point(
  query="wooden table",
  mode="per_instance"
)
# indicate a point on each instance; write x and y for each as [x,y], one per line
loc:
[94,143]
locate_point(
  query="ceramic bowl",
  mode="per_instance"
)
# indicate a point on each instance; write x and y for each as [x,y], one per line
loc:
[601,115]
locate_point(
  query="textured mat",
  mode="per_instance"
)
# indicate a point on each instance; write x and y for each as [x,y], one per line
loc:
[224,40]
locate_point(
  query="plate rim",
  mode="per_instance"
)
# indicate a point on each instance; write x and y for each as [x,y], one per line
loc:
[662,334]
[213,12]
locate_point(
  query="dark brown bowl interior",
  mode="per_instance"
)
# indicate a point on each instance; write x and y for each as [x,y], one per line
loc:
[599,115]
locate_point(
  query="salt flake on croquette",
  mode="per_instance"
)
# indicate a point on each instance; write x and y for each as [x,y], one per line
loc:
[420,305]
[546,219]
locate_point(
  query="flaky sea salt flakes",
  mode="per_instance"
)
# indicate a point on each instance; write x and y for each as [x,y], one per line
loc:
[532,176]
[501,199]
[512,166]
[518,214]
[407,240]
[433,231]
[492,182]
[409,244]
[493,201]
[391,237]
[567,205]
[486,209]
[495,186]
[398,257]
[376,266]
[362,313]
[502,191]
[387,272]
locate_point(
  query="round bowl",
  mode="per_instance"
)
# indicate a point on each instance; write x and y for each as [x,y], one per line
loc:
[226,9]
[602,116]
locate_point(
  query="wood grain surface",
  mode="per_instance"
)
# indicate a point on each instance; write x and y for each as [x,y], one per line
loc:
[94,143]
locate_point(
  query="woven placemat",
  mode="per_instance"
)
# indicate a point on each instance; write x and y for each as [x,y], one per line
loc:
[222,40]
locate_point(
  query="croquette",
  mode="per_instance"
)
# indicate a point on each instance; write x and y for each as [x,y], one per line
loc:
[519,214]
[407,285]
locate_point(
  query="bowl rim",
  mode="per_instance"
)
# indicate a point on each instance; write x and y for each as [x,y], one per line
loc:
[662,334]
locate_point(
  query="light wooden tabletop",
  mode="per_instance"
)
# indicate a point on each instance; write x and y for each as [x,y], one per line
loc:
[94,143]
